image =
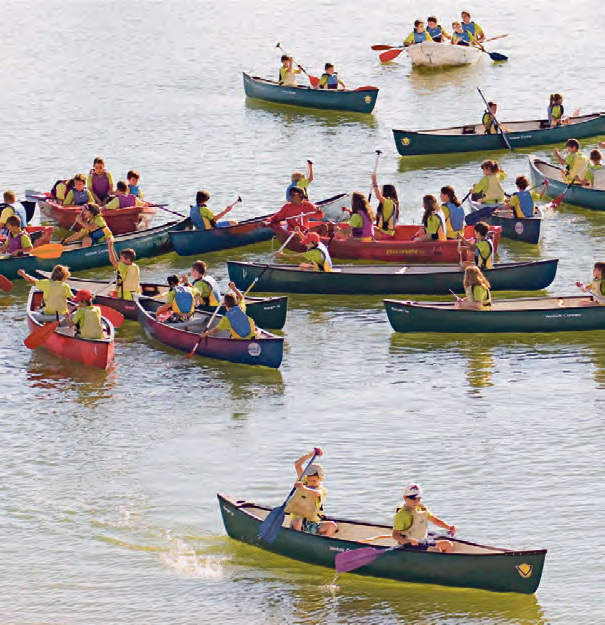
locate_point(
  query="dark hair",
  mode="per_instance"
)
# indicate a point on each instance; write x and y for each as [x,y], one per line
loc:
[417,23]
[122,186]
[199,266]
[298,191]
[449,191]
[490,104]
[230,300]
[172,280]
[432,18]
[554,97]
[201,197]
[360,204]
[573,143]
[93,208]
[493,166]
[388,191]
[595,155]
[99,159]
[327,66]
[284,57]
[60,273]
[133,173]
[600,267]
[80,177]
[522,182]
[430,205]
[482,228]
[129,253]
[13,220]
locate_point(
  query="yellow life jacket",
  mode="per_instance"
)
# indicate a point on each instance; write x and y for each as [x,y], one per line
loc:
[128,280]
[495,192]
[55,298]
[88,324]
[306,505]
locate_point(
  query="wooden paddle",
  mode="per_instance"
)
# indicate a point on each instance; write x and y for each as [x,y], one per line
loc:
[271,526]
[5,284]
[390,55]
[504,136]
[559,198]
[378,153]
[312,79]
[260,275]
[50,250]
[381,46]
[206,326]
[39,335]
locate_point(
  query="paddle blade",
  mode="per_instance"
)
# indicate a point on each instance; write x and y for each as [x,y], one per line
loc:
[350,560]
[115,317]
[389,55]
[39,335]
[197,344]
[380,46]
[314,81]
[50,250]
[271,526]
[496,56]
[366,88]
[5,283]
[558,199]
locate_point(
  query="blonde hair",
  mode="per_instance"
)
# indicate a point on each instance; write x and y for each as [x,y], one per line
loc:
[10,197]
[60,273]
[80,177]
[297,175]
[473,276]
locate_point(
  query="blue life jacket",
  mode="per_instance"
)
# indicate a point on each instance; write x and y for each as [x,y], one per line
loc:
[464,38]
[526,203]
[134,190]
[436,33]
[80,197]
[19,212]
[183,298]
[456,216]
[419,37]
[331,80]
[196,218]
[239,321]
[469,28]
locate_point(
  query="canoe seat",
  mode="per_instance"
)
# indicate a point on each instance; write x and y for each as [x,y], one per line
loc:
[469,130]
[544,124]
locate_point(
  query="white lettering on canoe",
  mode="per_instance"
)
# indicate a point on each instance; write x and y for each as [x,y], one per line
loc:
[338,549]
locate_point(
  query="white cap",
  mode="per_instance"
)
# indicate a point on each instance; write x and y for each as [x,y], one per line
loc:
[412,490]
[316,469]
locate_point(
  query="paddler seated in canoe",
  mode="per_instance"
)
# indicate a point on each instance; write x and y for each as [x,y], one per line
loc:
[206,286]
[94,227]
[418,35]
[410,525]
[301,181]
[387,213]
[468,26]
[180,301]
[235,321]
[55,290]
[329,79]
[86,321]
[477,288]
[521,203]
[133,177]
[556,111]
[305,507]
[317,257]
[100,182]
[361,223]
[123,198]
[287,73]
[575,162]
[435,30]
[128,275]
[296,212]
[460,37]
[482,246]
[60,190]
[489,189]
[433,221]
[79,194]
[490,125]
[597,287]
[594,174]
[9,208]
[203,218]
[17,241]
[453,213]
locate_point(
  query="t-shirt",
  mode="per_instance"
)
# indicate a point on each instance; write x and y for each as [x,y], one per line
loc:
[207,216]
[55,296]
[356,221]
[9,211]
[434,227]
[575,162]
[291,213]
[481,294]
[588,176]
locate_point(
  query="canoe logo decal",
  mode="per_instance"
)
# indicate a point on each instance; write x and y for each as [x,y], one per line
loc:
[368,99]
[405,141]
[525,570]
[254,349]
[519,227]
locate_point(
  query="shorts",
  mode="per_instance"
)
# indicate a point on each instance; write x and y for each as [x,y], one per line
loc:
[311,527]
[421,546]
[97,236]
[223,224]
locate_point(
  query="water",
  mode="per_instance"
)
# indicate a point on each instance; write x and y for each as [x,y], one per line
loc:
[108,514]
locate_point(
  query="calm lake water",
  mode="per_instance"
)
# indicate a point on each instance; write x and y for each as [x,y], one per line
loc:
[108,513]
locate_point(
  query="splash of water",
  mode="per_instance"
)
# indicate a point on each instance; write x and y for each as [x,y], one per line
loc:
[183,559]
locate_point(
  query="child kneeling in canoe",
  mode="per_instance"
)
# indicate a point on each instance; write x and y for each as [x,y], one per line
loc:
[17,241]
[235,321]
[87,318]
[180,301]
[305,507]
[477,288]
[410,526]
[317,256]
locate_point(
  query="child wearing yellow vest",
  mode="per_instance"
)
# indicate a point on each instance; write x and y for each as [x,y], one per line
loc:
[87,318]
[55,291]
[477,288]
[128,275]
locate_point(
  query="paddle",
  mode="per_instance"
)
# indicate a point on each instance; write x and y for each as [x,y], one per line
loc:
[346,561]
[260,275]
[50,250]
[283,247]
[494,38]
[71,229]
[390,55]
[586,289]
[378,153]
[114,316]
[271,526]
[559,198]
[163,207]
[209,323]
[39,335]
[381,46]
[458,299]
[312,79]
[508,145]
[5,283]
[494,56]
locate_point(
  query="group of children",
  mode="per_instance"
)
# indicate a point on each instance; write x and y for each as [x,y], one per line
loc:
[588,172]
[465,33]
[287,75]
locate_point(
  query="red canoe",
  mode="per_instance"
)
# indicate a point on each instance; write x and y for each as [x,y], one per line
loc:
[92,352]
[119,220]
[394,249]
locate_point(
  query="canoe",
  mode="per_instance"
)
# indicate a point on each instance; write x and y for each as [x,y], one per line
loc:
[146,243]
[91,352]
[528,314]
[526,230]
[39,235]
[119,220]
[266,350]
[593,199]
[267,312]
[396,248]
[333,207]
[470,565]
[388,279]
[431,54]
[472,138]
[360,100]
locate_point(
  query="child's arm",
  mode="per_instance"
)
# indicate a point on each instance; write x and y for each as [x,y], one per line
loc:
[298,464]
[310,171]
[113,257]
[342,83]
[559,157]
[29,279]
[377,192]
[237,292]
[439,523]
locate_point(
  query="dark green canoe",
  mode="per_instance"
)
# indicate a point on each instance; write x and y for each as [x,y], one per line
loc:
[472,138]
[360,100]
[388,279]
[469,566]
[528,314]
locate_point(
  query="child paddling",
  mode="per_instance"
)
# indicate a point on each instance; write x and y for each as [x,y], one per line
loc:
[55,290]
[477,288]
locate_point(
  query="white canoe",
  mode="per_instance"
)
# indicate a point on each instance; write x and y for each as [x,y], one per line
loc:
[431,54]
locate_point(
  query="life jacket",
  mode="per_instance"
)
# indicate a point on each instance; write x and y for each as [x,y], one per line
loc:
[100,184]
[128,280]
[367,230]
[282,73]
[14,241]
[526,203]
[134,190]
[331,80]
[199,222]
[462,39]
[470,28]
[489,123]
[241,325]
[183,303]
[327,260]
[68,187]
[391,222]
[484,254]
[127,201]
[441,232]
[18,210]
[555,113]
[420,37]
[91,327]
[420,521]
[472,295]
[305,505]
[215,292]
[598,178]
[577,167]
[436,33]
[455,222]
[494,193]
[80,197]
[54,300]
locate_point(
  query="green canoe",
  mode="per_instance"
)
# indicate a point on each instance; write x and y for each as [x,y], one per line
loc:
[528,314]
[469,566]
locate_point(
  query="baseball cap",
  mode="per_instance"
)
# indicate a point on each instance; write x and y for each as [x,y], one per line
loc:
[412,490]
[83,295]
[312,237]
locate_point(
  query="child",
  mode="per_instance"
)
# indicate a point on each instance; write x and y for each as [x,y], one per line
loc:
[79,194]
[453,213]
[123,199]
[435,31]
[203,218]
[589,179]
[296,212]
[482,246]
[460,37]
[94,227]
[287,73]
[305,507]
[410,524]
[206,286]
[100,182]
[488,120]
[180,301]
[329,79]
[60,190]
[55,291]
[478,296]
[299,181]
[418,35]
[17,241]
[235,320]
[575,162]
[489,190]
[10,207]
[362,217]
[556,110]
[433,221]
[597,287]
[128,275]
[133,177]
[472,27]
[87,318]
[522,202]
[387,214]
[317,256]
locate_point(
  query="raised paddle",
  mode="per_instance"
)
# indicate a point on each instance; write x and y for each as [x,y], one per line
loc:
[378,153]
[39,335]
[204,328]
[312,79]
[5,283]
[390,55]
[271,526]
[500,130]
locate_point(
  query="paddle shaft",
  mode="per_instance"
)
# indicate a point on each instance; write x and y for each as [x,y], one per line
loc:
[508,145]
[204,328]
[72,227]
[281,249]
[298,64]
[378,153]
[260,275]
[163,207]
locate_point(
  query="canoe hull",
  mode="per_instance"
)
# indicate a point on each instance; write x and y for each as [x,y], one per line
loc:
[431,54]
[362,101]
[530,276]
[525,230]
[412,317]
[497,572]
[410,142]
